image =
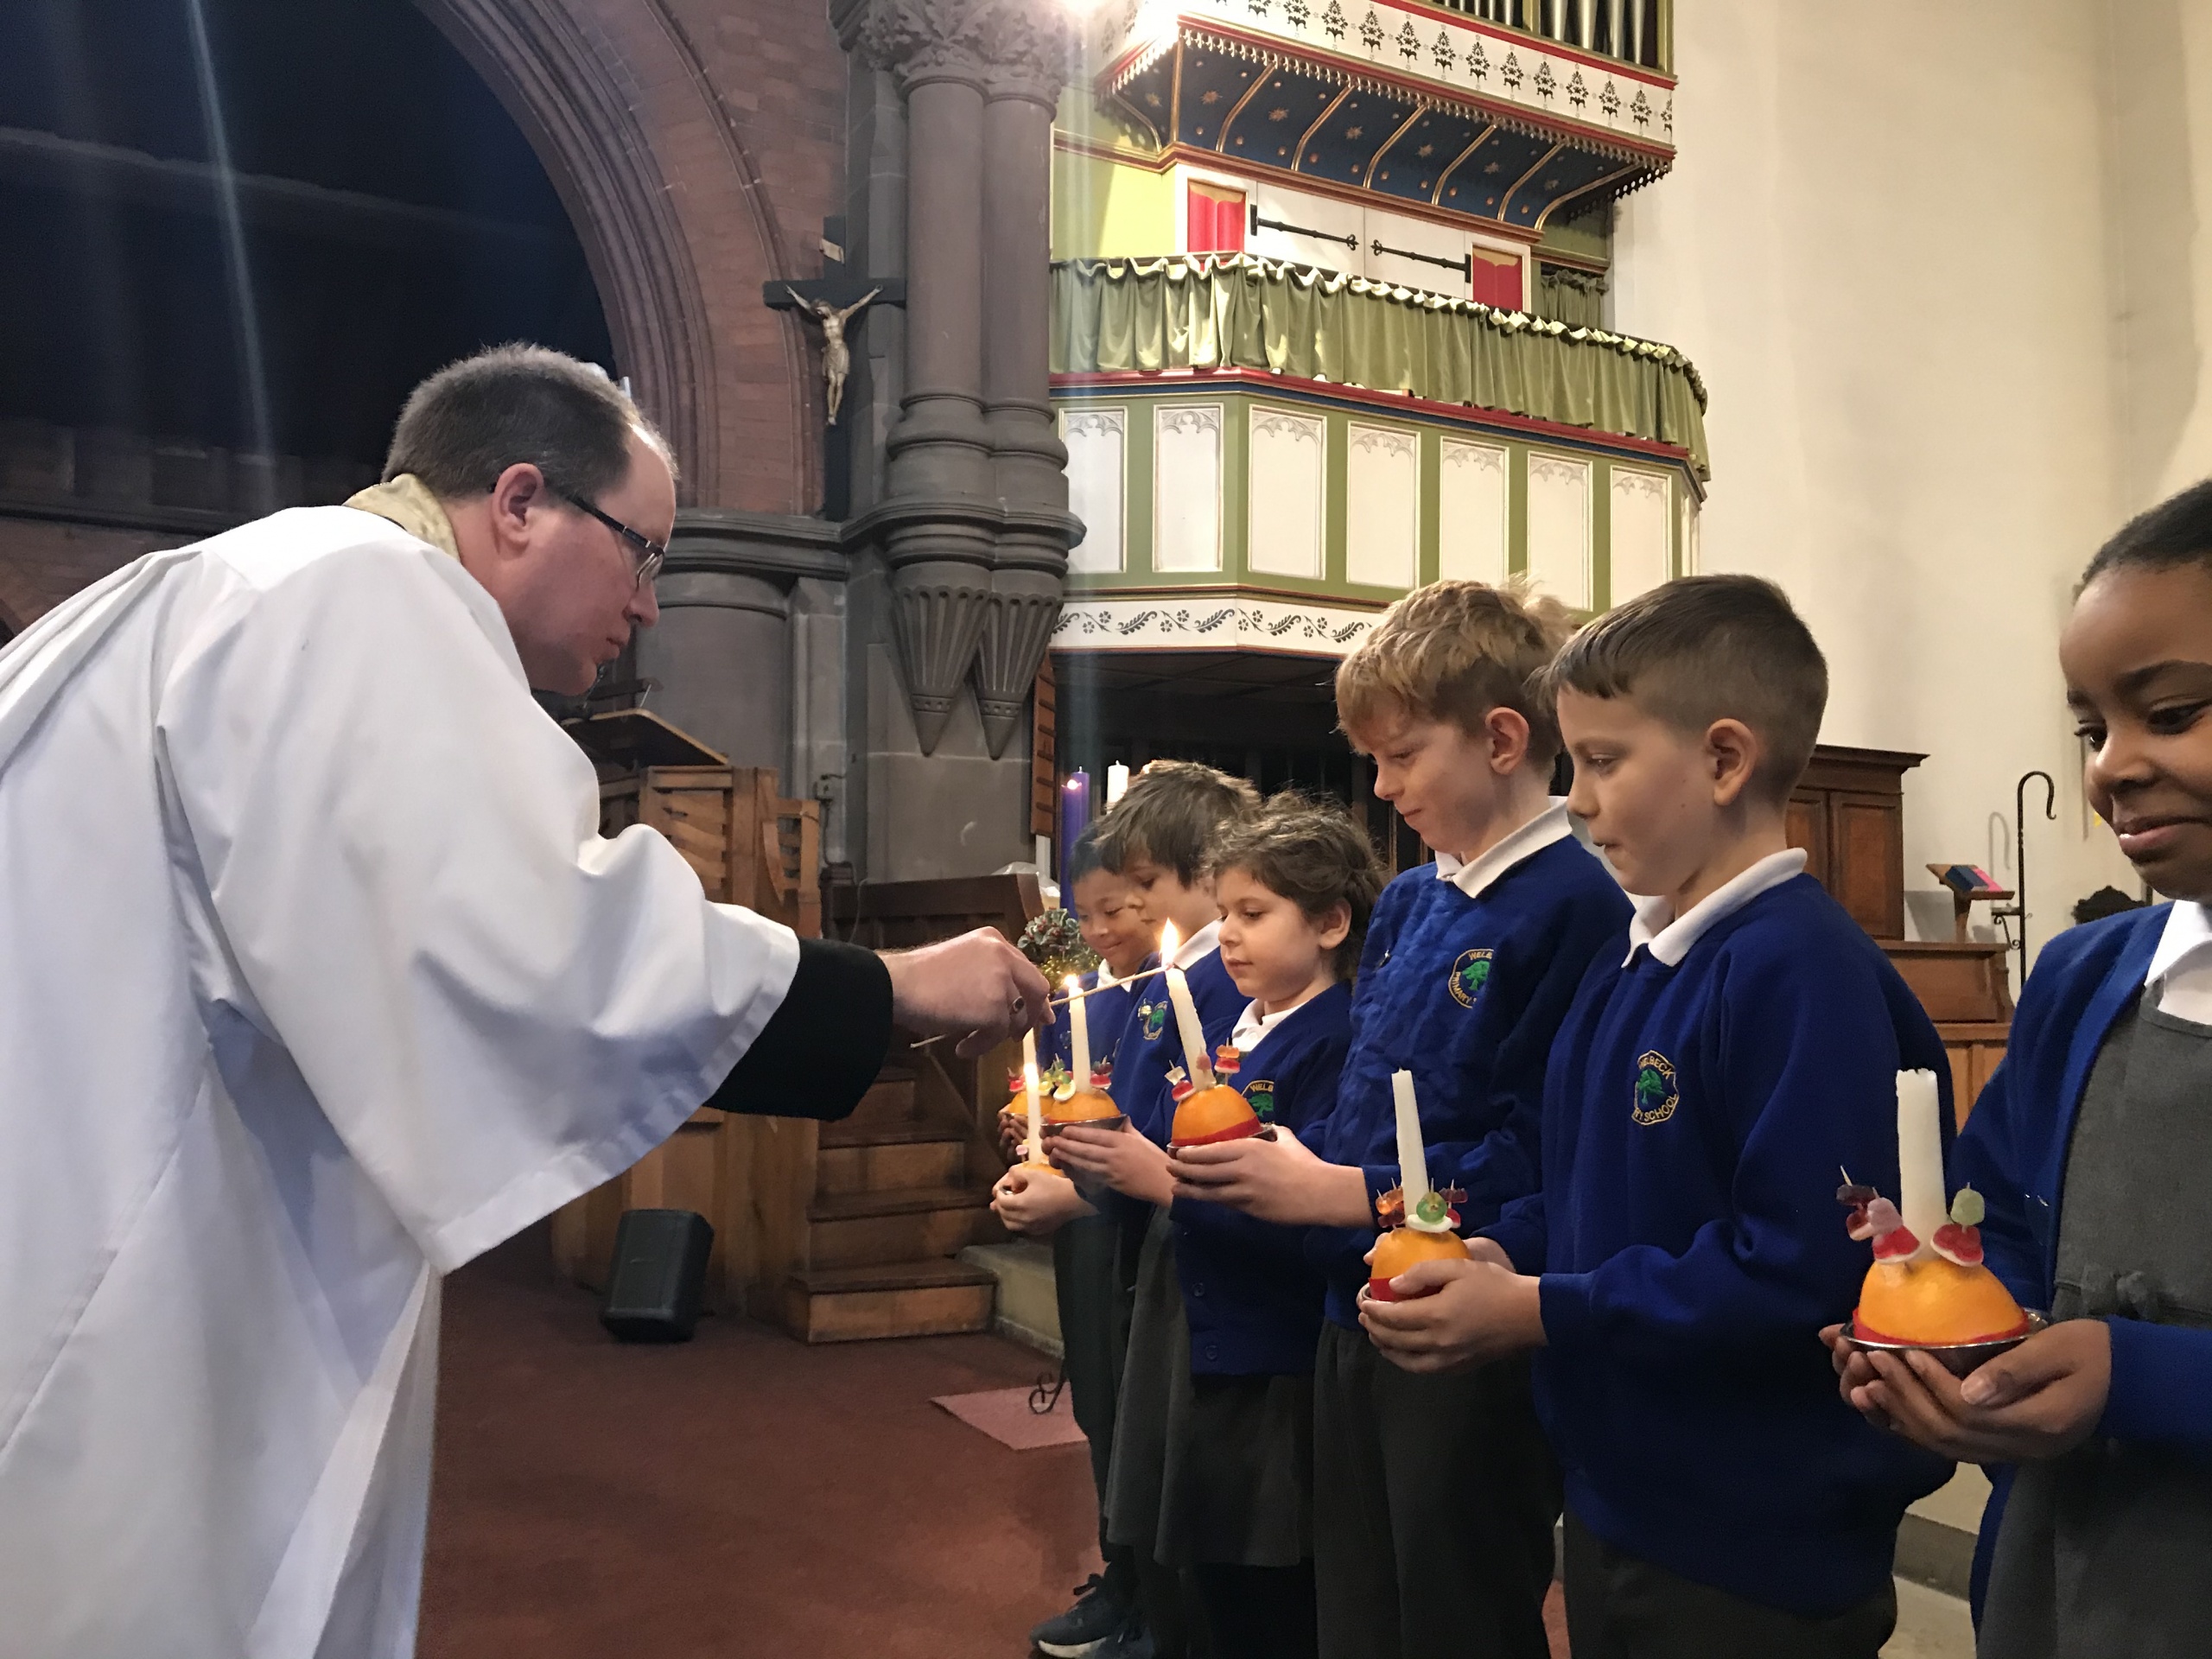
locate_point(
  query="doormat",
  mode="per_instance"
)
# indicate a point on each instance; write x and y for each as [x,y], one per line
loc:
[1005,1414]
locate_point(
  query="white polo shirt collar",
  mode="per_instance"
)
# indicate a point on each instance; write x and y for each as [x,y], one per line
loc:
[1668,937]
[1470,876]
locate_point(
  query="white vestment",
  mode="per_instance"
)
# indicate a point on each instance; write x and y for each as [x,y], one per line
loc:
[317,980]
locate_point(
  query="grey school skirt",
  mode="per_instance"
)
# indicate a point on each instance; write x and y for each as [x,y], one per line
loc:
[1206,1469]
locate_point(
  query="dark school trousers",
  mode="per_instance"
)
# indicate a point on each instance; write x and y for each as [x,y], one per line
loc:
[1619,1606]
[1434,1499]
[1257,1612]
[1094,1337]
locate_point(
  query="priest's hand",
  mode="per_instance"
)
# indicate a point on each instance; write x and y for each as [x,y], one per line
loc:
[1461,1313]
[1121,1158]
[1034,1204]
[976,987]
[2040,1400]
[1274,1180]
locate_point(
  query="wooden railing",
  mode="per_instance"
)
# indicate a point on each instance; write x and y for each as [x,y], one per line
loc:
[1629,31]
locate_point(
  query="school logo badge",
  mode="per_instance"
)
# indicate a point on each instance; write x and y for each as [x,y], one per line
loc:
[1155,1015]
[1656,1094]
[1260,1095]
[1469,975]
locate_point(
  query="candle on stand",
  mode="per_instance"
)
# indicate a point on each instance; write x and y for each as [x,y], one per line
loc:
[1117,782]
[1036,1152]
[1412,1158]
[1075,818]
[1078,1032]
[1186,1013]
[1922,1198]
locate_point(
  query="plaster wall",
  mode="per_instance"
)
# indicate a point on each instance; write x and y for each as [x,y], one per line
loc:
[1885,247]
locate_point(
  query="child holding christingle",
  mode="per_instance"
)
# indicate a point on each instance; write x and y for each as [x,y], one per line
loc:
[1214,1452]
[2092,1148]
[1159,839]
[1719,1064]
[1435,1497]
[1093,1321]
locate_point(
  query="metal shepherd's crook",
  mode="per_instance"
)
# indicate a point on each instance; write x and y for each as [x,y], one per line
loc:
[2020,849]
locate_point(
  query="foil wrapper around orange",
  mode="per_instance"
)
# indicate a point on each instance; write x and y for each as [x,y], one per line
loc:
[1092,1106]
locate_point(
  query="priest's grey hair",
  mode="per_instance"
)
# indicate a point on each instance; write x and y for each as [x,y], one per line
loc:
[471,420]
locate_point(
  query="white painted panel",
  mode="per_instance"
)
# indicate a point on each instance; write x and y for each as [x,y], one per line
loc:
[1641,515]
[1186,486]
[1339,219]
[1471,500]
[1382,506]
[1285,482]
[1559,528]
[1098,447]
[1689,541]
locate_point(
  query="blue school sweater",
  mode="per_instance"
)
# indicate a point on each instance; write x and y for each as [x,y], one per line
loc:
[2013,1152]
[1252,1298]
[1465,993]
[1107,1013]
[1694,1121]
[1152,1042]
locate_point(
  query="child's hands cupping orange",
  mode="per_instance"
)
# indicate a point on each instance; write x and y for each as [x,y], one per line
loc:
[1121,1158]
[1277,1179]
[1455,1314]
[2039,1400]
[1034,1204]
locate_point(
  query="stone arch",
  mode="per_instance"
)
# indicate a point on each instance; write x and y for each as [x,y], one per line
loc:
[557,82]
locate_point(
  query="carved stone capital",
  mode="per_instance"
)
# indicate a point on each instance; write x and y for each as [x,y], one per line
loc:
[1012,48]
[1024,608]
[938,610]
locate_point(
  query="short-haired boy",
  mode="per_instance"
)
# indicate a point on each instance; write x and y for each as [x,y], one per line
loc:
[1160,839]
[1093,1323]
[1435,1497]
[1682,1254]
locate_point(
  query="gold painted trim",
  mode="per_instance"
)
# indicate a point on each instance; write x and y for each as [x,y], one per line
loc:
[1367,180]
[1597,183]
[1260,80]
[1298,155]
[1506,201]
[1436,196]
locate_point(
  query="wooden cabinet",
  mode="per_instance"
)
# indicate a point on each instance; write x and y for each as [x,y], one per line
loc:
[1847,812]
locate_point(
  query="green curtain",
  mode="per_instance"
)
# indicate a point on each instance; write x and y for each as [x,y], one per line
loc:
[1235,311]
[1569,296]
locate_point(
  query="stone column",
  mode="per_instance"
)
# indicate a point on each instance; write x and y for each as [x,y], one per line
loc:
[1032,50]
[722,653]
[939,515]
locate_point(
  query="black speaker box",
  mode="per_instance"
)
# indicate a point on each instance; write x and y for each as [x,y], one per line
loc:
[660,1263]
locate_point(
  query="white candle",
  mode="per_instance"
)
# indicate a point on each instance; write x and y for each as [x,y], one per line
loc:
[1413,1160]
[1078,1033]
[1186,1014]
[1035,1153]
[1921,1196]
[1117,782]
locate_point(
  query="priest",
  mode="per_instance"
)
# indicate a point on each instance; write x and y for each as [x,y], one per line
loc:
[318,980]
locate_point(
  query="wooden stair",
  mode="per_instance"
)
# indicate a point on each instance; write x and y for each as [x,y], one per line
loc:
[893,1203]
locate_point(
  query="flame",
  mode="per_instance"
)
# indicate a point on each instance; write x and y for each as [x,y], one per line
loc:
[1074,982]
[1170,942]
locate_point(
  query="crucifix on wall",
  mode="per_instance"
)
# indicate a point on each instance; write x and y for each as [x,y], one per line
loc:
[836,303]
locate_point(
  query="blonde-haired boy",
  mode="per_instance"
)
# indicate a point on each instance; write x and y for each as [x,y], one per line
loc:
[1435,1497]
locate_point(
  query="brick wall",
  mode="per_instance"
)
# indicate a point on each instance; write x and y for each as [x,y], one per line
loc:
[41,563]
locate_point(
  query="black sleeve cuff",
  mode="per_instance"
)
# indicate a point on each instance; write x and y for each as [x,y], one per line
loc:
[822,1049]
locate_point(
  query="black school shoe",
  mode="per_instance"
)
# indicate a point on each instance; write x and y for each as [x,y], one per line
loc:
[1135,1642]
[1099,1615]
